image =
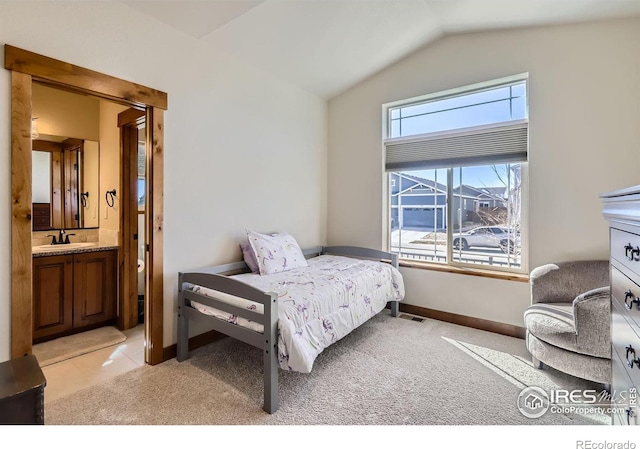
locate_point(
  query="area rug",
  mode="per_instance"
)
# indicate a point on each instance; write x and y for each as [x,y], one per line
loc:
[64,348]
[389,371]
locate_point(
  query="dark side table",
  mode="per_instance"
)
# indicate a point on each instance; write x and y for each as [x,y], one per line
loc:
[22,391]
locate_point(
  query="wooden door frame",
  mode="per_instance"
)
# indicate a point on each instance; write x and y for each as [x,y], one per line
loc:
[26,67]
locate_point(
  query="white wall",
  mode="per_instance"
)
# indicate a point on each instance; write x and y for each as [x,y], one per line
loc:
[91,183]
[65,114]
[110,166]
[584,108]
[242,149]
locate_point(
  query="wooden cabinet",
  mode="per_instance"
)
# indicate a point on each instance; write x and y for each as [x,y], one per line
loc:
[41,216]
[73,292]
[52,295]
[622,209]
[94,288]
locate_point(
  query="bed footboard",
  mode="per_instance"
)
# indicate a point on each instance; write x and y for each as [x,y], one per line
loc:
[215,278]
[267,341]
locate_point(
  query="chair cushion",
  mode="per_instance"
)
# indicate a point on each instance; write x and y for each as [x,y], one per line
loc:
[553,323]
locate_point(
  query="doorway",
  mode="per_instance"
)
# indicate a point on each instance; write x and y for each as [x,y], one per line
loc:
[25,68]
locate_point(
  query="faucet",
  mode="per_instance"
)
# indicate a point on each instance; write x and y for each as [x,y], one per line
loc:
[66,238]
[63,238]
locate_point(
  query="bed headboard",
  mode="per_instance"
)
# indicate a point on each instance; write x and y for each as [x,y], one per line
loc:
[348,251]
[364,253]
[312,252]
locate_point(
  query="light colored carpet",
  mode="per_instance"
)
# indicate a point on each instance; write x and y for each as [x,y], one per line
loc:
[389,371]
[64,348]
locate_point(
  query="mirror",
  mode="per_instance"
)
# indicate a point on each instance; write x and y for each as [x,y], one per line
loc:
[65,183]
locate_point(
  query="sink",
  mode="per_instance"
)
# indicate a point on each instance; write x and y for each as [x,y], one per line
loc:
[62,247]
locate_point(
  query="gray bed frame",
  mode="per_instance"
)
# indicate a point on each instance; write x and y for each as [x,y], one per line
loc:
[217,278]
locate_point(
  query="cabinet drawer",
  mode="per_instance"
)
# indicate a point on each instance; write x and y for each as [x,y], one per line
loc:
[625,248]
[624,395]
[626,343]
[626,294]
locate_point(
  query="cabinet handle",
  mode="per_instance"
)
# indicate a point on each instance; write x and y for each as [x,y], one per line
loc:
[630,252]
[630,414]
[633,359]
[634,300]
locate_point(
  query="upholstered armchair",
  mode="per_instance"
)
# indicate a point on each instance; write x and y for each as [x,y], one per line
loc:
[568,322]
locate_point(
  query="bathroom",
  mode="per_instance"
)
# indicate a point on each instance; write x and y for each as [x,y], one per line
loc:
[78,213]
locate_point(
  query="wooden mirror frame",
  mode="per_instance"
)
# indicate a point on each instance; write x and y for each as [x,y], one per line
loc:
[26,67]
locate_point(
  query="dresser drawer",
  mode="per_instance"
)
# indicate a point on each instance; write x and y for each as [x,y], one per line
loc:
[626,343]
[625,248]
[626,294]
[624,395]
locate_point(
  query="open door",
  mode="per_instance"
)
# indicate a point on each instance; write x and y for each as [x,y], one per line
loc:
[129,122]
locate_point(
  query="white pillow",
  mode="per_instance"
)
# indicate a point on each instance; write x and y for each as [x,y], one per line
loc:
[249,257]
[276,253]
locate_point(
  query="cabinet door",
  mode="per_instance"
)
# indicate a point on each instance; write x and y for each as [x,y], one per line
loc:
[52,295]
[94,299]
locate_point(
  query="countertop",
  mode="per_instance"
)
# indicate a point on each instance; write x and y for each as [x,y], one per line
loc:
[64,249]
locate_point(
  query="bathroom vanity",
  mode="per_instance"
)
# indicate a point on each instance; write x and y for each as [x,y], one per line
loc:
[74,288]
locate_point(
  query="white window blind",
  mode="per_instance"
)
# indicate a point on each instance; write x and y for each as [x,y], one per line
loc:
[503,142]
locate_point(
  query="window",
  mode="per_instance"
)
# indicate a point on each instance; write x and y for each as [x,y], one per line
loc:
[455,164]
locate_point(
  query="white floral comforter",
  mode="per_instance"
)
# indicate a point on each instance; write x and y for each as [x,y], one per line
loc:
[318,304]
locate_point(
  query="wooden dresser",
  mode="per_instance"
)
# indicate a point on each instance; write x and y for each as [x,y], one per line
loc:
[22,386]
[622,209]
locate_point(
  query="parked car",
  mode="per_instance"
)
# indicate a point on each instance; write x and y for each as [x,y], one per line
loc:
[489,236]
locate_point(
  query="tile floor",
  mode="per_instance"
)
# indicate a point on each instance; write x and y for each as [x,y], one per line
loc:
[74,374]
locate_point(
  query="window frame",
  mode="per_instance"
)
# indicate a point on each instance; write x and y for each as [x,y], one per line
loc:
[524,218]
[449,93]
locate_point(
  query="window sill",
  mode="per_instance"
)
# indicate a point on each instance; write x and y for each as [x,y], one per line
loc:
[463,270]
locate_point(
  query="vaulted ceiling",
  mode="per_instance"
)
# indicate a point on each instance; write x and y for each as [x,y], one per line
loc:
[327,46]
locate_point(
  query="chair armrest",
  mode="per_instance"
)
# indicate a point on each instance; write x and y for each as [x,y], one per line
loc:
[562,282]
[592,318]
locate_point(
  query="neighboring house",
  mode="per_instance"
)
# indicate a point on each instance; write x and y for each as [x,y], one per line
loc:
[469,201]
[423,202]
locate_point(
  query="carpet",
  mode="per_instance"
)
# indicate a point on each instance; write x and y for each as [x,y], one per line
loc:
[64,348]
[389,371]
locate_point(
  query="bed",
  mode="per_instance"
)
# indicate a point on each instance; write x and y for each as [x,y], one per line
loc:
[293,315]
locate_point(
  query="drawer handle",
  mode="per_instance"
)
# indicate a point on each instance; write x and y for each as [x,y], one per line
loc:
[631,252]
[630,414]
[634,300]
[633,360]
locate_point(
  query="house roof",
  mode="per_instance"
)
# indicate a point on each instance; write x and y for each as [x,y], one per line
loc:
[495,193]
[481,192]
[325,47]
[500,192]
[426,182]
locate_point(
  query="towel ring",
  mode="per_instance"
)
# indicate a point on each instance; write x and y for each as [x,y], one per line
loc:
[110,197]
